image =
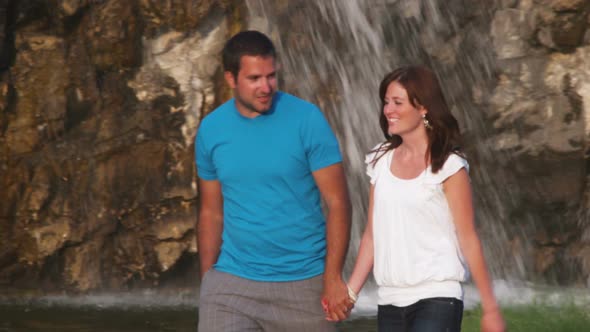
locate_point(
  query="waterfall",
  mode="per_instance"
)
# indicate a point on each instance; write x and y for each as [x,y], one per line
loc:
[335,53]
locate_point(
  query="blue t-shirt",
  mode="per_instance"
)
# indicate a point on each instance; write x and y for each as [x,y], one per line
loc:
[274,229]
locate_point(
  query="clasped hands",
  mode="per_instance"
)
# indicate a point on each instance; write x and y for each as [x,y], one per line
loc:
[338,308]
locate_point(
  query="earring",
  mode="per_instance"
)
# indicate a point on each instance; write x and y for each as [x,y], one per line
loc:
[426,122]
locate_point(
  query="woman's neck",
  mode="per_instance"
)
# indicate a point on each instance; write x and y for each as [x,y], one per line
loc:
[414,145]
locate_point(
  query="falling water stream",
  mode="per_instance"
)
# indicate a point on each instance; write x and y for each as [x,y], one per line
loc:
[334,53]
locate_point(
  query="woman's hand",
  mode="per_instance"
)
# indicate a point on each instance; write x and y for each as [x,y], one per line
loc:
[332,316]
[492,321]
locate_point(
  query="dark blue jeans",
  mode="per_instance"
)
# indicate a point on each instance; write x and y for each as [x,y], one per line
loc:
[437,314]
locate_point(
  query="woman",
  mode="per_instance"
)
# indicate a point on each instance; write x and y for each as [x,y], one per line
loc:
[420,229]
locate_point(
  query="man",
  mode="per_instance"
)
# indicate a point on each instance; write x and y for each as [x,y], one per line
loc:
[267,254]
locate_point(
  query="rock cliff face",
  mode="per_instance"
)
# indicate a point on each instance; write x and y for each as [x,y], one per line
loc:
[100,101]
[541,114]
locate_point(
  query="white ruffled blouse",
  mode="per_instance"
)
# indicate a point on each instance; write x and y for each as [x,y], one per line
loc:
[417,253]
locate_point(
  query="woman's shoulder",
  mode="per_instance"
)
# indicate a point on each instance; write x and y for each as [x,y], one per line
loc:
[456,161]
[452,165]
[377,152]
[375,158]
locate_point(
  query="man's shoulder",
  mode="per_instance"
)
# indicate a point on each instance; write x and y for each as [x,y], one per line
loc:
[288,100]
[219,114]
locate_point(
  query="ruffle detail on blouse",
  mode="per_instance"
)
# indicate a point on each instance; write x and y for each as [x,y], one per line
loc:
[372,167]
[451,166]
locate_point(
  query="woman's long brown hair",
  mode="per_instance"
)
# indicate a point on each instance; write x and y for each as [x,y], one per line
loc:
[424,90]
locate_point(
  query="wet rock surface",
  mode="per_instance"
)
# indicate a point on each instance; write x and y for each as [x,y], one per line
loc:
[96,127]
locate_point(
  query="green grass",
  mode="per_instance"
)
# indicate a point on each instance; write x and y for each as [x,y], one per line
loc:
[536,318]
[21,318]
[526,318]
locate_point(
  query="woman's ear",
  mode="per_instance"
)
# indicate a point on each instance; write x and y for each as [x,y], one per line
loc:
[422,110]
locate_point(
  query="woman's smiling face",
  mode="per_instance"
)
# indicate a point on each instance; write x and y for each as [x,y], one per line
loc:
[402,117]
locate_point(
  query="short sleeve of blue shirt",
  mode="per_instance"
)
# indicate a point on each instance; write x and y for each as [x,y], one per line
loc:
[205,167]
[320,143]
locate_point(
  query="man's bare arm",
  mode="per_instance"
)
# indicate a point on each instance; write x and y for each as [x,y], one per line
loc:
[331,182]
[209,224]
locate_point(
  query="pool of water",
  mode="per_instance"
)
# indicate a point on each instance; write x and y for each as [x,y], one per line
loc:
[40,318]
[31,317]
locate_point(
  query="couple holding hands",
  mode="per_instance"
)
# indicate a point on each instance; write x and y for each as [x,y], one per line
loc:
[269,258]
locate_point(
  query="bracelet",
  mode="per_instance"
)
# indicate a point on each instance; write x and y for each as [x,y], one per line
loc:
[352,295]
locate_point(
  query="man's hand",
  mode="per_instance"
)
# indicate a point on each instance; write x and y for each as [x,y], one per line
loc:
[336,301]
